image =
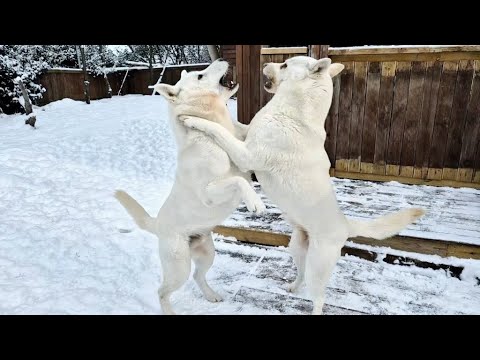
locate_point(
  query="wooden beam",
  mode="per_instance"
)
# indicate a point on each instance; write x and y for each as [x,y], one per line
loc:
[249,78]
[284,50]
[319,51]
[400,57]
[403,243]
[401,50]
[403,179]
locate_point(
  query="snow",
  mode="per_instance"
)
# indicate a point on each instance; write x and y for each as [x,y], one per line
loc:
[452,214]
[65,69]
[62,251]
[118,48]
[372,47]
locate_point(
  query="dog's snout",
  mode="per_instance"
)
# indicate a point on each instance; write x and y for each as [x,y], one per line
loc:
[265,65]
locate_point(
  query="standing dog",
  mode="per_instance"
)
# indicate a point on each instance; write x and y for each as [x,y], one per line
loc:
[285,147]
[207,188]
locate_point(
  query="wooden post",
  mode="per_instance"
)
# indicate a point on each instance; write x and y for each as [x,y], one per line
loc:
[150,62]
[86,84]
[319,51]
[249,77]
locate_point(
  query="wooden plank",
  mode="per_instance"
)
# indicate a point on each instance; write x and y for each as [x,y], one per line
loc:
[371,116]
[449,174]
[442,117]
[319,51]
[476,177]
[465,175]
[403,243]
[344,112]
[341,165]
[332,121]
[358,111]
[254,236]
[285,50]
[392,170]
[458,117]
[248,67]
[406,180]
[424,134]
[406,171]
[400,50]
[385,101]
[399,107]
[366,167]
[443,56]
[471,130]
[412,118]
[434,174]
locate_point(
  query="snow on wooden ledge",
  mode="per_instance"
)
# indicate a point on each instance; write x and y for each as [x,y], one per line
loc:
[395,49]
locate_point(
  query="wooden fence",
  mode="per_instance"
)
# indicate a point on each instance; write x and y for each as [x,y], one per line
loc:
[407,114]
[68,83]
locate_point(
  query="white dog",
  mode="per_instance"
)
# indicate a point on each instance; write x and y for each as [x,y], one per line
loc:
[207,188]
[285,147]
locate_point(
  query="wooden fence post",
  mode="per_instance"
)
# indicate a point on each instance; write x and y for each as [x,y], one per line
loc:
[248,76]
[319,51]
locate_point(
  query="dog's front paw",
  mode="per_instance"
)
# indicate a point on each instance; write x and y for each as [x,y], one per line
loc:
[193,123]
[182,118]
[255,204]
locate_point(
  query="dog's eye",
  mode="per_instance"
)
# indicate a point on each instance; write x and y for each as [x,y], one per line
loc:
[200,76]
[284,66]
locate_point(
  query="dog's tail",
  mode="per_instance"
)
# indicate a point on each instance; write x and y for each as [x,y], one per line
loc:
[136,211]
[385,226]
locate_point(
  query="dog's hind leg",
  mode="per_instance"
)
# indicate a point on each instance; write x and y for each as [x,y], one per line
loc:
[176,264]
[298,249]
[219,191]
[320,262]
[203,253]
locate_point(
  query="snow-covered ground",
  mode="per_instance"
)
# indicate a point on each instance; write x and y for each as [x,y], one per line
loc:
[61,251]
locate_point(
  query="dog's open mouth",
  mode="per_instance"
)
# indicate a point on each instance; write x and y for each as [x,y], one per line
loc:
[267,82]
[225,83]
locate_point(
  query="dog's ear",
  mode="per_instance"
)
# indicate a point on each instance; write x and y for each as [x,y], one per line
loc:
[335,69]
[184,72]
[169,92]
[320,65]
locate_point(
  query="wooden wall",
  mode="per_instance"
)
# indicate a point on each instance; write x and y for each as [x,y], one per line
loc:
[411,113]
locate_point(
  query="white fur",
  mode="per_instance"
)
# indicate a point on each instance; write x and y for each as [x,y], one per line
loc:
[285,147]
[207,188]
